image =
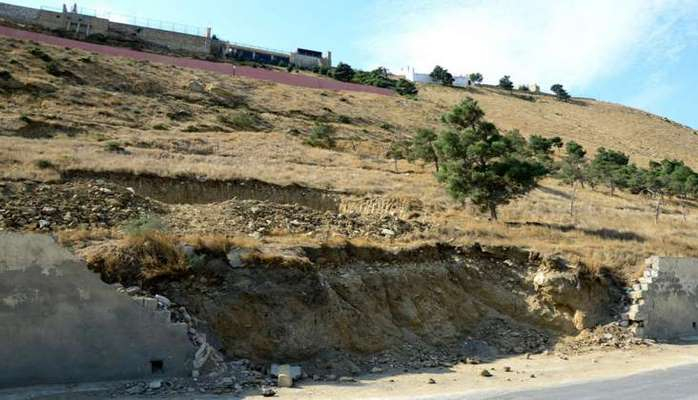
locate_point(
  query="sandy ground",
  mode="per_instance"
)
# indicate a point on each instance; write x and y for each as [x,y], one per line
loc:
[549,370]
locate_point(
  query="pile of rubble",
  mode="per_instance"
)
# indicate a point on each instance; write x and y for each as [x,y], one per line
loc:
[36,206]
[259,218]
[211,372]
[610,336]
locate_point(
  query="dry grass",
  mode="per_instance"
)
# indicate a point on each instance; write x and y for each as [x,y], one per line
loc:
[149,108]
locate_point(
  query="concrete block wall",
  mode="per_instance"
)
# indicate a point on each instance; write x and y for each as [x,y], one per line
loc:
[62,324]
[18,13]
[664,301]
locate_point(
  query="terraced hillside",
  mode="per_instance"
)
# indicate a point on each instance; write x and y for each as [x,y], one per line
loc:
[219,152]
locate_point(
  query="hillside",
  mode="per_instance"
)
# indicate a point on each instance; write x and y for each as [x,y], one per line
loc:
[71,116]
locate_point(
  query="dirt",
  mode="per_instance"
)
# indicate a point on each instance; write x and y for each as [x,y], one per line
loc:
[348,309]
[262,218]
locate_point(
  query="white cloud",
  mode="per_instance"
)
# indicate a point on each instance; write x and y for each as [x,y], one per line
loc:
[574,42]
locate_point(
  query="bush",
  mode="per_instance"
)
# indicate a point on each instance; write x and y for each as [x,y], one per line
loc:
[143,224]
[40,54]
[406,88]
[114,147]
[344,119]
[322,135]
[44,164]
[344,72]
[160,127]
[243,121]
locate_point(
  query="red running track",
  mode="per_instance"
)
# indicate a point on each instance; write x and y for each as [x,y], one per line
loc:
[221,68]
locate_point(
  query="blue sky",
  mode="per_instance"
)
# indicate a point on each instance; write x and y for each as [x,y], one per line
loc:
[642,53]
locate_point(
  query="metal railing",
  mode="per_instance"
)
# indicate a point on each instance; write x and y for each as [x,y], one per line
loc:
[138,21]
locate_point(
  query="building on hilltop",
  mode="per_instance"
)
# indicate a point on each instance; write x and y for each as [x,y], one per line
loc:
[411,75]
[154,35]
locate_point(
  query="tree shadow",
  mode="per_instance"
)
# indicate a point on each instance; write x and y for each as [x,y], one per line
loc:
[554,192]
[603,233]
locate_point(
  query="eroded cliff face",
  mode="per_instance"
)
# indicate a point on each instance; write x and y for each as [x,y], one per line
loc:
[367,301]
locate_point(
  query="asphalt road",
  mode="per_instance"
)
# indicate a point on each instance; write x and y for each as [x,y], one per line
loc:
[679,383]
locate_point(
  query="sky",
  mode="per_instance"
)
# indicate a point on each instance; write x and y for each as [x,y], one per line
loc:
[641,53]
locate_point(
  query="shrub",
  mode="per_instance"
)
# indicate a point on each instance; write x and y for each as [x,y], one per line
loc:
[344,72]
[114,147]
[243,121]
[44,164]
[40,54]
[161,127]
[344,119]
[406,88]
[322,135]
[143,224]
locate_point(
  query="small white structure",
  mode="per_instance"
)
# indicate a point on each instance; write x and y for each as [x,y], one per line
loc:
[411,75]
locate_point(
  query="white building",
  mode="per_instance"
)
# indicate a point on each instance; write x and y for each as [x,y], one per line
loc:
[411,75]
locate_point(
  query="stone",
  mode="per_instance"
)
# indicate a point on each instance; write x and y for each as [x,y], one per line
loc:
[133,290]
[154,385]
[294,371]
[376,370]
[331,377]
[507,369]
[234,258]
[163,300]
[485,373]
[347,379]
[387,232]
[268,392]
[431,381]
[44,224]
[284,380]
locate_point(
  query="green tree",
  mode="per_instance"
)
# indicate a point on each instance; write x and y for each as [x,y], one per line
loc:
[475,78]
[422,148]
[506,83]
[560,92]
[480,164]
[572,170]
[398,151]
[543,148]
[344,72]
[406,88]
[466,114]
[442,76]
[610,168]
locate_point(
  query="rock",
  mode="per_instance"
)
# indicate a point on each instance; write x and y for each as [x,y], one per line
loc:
[376,370]
[331,377]
[154,385]
[284,380]
[268,392]
[44,224]
[133,290]
[507,369]
[431,381]
[234,259]
[533,375]
[294,371]
[485,373]
[48,210]
[346,379]
[163,300]
[387,232]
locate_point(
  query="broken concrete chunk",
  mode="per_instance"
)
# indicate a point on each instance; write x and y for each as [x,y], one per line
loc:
[284,380]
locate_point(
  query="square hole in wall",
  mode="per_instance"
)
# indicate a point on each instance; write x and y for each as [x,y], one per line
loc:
[694,326]
[157,366]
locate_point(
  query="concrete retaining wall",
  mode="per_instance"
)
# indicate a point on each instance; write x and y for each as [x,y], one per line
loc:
[665,300]
[60,323]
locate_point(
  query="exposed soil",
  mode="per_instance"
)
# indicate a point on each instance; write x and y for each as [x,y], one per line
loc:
[347,309]
[190,190]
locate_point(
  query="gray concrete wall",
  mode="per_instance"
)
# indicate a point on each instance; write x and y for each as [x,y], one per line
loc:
[667,300]
[59,323]
[18,13]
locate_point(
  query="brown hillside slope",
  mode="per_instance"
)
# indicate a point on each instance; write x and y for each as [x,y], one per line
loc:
[66,112]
